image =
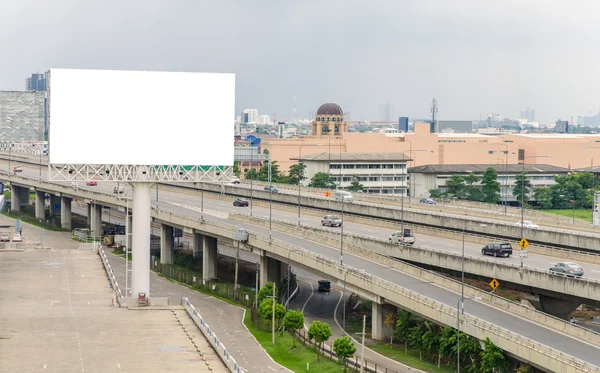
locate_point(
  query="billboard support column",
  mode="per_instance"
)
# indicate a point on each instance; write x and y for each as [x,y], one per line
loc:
[140,266]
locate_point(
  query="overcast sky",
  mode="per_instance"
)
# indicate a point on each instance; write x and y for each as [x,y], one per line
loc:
[474,56]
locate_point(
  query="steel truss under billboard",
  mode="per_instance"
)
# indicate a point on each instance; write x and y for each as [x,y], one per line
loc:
[131,173]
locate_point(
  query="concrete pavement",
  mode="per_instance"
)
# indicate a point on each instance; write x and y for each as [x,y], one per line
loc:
[56,315]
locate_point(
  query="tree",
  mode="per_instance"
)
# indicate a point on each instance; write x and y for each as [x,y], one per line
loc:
[521,189]
[469,349]
[390,320]
[296,171]
[416,338]
[266,151]
[543,196]
[436,193]
[266,310]
[403,326]
[263,174]
[266,291]
[355,185]
[491,186]
[319,331]
[431,340]
[455,186]
[236,169]
[344,349]
[493,358]
[292,322]
[447,343]
[321,180]
[251,174]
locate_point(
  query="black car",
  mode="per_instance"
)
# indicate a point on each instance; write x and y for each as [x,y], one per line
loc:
[240,202]
[497,249]
[324,286]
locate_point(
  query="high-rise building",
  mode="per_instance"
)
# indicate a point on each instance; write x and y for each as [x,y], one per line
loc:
[562,126]
[264,119]
[528,115]
[252,115]
[403,124]
[37,82]
[386,112]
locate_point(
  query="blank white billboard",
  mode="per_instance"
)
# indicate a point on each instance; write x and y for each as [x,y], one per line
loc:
[141,117]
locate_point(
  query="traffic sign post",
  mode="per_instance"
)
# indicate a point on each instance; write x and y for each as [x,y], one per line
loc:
[494,284]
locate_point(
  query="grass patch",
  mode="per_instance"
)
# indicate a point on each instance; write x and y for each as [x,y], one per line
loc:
[31,220]
[205,292]
[412,359]
[293,359]
[580,214]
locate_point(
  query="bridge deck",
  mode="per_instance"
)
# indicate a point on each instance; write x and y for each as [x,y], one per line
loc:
[56,316]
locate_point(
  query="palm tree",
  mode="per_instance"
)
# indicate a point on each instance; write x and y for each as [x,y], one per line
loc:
[403,326]
[431,340]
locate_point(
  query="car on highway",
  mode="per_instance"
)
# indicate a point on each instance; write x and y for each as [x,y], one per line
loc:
[17,169]
[331,221]
[343,196]
[324,286]
[17,237]
[74,184]
[404,238]
[5,236]
[91,183]
[503,249]
[427,201]
[235,180]
[118,189]
[568,269]
[272,189]
[241,202]
[527,224]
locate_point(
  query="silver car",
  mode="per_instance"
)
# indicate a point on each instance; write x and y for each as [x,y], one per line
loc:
[569,269]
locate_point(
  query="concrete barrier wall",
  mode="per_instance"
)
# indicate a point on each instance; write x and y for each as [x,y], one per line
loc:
[444,282]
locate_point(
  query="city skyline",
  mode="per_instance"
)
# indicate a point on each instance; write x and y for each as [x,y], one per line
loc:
[474,58]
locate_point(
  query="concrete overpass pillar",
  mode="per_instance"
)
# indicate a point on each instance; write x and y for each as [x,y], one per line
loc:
[264,269]
[270,269]
[96,220]
[19,197]
[65,213]
[89,216]
[210,257]
[377,321]
[556,307]
[166,244]
[128,238]
[55,205]
[40,205]
[198,242]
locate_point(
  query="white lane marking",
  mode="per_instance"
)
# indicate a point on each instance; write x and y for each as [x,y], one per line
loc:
[218,214]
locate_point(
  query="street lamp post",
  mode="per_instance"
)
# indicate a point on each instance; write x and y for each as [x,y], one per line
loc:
[270,198]
[402,194]
[300,174]
[288,277]
[505,202]
[251,178]
[523,197]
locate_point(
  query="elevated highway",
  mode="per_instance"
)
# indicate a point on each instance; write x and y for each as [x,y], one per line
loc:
[532,341]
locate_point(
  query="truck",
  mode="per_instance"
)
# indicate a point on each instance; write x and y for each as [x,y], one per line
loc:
[403,238]
[343,196]
[331,221]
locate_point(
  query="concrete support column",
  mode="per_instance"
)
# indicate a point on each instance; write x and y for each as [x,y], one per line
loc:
[166,244]
[55,205]
[129,238]
[89,216]
[270,269]
[40,205]
[140,266]
[198,245]
[264,269]
[210,257]
[377,321]
[96,220]
[65,213]
[19,197]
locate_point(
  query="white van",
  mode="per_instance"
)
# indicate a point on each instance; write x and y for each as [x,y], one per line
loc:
[342,195]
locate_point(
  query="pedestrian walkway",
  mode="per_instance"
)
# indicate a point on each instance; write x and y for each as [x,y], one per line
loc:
[225,320]
[56,315]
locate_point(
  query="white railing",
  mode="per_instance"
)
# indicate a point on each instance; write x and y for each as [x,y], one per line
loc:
[118,296]
[212,338]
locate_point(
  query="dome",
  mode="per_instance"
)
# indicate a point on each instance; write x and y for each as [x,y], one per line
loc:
[330,109]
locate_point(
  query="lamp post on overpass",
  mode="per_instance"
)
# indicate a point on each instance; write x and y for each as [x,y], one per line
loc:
[300,173]
[523,196]
[402,194]
[288,277]
[504,199]
[460,310]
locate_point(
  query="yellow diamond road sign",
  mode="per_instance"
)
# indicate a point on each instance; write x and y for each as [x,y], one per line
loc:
[494,284]
[523,243]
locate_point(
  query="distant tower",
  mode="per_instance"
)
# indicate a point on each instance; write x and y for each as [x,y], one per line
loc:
[434,111]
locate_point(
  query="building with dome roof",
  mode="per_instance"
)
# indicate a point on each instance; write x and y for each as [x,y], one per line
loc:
[329,121]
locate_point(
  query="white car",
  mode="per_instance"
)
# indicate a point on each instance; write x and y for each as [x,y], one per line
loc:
[527,224]
[17,237]
[4,236]
[75,185]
